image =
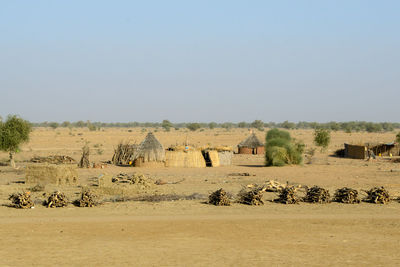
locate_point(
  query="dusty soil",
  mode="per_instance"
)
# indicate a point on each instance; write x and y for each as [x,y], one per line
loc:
[190,232]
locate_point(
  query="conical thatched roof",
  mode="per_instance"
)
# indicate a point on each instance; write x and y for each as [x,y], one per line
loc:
[150,150]
[251,142]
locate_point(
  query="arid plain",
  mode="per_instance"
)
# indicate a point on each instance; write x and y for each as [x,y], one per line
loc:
[191,232]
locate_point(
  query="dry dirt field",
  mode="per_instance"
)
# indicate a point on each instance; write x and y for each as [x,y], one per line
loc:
[191,232]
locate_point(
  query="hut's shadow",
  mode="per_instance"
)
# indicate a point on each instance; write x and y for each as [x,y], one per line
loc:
[251,166]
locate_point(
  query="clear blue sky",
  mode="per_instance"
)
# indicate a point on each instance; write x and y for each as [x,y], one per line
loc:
[200,60]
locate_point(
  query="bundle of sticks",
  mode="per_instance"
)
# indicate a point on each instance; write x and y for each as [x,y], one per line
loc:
[377,195]
[252,197]
[288,195]
[346,195]
[84,162]
[219,198]
[22,200]
[317,194]
[87,199]
[123,154]
[56,200]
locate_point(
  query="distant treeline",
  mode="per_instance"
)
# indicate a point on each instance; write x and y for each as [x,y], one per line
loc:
[351,126]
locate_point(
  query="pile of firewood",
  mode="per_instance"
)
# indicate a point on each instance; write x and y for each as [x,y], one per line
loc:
[274,186]
[288,195]
[219,198]
[251,197]
[346,195]
[88,199]
[123,154]
[21,200]
[317,194]
[84,162]
[137,179]
[54,159]
[377,195]
[56,200]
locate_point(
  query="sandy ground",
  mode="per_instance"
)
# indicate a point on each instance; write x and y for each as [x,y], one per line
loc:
[192,233]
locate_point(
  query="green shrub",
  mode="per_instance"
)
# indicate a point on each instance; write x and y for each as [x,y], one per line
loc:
[398,138]
[322,138]
[281,149]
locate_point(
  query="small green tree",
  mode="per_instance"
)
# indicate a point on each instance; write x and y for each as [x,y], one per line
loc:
[166,124]
[322,138]
[398,138]
[193,126]
[13,132]
[242,124]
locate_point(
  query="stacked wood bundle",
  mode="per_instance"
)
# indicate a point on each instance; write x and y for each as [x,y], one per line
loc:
[317,194]
[219,198]
[21,200]
[84,162]
[251,197]
[56,200]
[123,154]
[54,159]
[88,199]
[377,195]
[287,195]
[346,195]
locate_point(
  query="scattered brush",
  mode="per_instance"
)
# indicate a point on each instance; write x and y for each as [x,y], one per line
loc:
[56,200]
[288,195]
[219,198]
[88,199]
[251,197]
[346,195]
[22,200]
[317,194]
[377,195]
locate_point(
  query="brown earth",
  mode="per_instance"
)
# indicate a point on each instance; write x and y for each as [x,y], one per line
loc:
[190,232]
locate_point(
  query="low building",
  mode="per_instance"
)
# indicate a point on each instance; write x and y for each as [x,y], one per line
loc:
[251,145]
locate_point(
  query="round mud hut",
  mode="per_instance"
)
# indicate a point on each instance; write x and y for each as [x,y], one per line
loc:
[150,153]
[251,145]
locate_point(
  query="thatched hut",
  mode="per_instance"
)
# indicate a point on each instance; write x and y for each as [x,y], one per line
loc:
[150,153]
[251,145]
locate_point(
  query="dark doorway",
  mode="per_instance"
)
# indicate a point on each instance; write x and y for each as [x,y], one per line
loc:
[206,157]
